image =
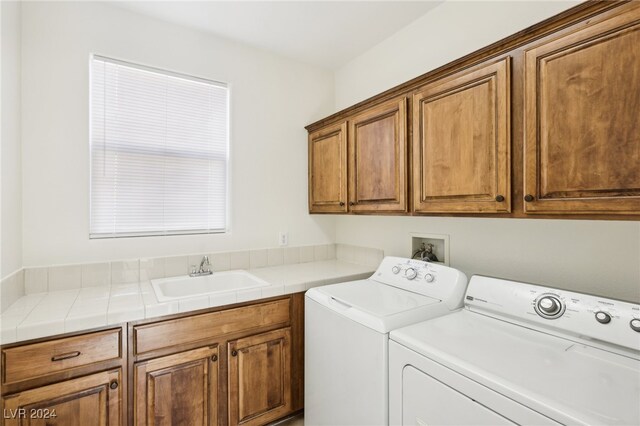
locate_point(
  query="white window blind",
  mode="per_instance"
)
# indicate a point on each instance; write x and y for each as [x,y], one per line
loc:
[159,152]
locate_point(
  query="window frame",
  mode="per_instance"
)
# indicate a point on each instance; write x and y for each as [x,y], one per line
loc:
[227,222]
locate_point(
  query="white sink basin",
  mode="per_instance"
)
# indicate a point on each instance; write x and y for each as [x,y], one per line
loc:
[175,288]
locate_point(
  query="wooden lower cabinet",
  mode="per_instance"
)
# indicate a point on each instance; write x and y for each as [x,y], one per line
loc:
[96,399]
[177,389]
[259,378]
[226,366]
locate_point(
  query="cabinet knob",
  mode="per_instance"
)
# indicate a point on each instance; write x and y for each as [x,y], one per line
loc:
[113,384]
[528,198]
[352,203]
[234,352]
[341,203]
[214,358]
[499,198]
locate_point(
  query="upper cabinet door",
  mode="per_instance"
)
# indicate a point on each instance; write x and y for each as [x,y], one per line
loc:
[582,115]
[461,142]
[328,170]
[378,158]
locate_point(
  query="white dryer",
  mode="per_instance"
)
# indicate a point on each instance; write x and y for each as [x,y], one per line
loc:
[346,336]
[519,353]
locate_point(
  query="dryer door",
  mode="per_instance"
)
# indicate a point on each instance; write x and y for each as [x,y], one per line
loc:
[423,392]
[427,401]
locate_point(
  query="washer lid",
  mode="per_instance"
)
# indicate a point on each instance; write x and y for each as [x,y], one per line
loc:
[376,305]
[567,381]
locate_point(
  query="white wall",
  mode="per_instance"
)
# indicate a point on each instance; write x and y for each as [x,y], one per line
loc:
[11,170]
[448,32]
[600,257]
[272,99]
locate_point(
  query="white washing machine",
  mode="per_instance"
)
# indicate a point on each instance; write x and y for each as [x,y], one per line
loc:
[346,336]
[519,354]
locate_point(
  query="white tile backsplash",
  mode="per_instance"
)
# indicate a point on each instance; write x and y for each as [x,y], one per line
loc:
[152,268]
[320,252]
[220,262]
[11,289]
[275,257]
[291,255]
[345,252]
[177,265]
[258,258]
[307,254]
[36,280]
[239,260]
[331,251]
[125,272]
[65,277]
[96,274]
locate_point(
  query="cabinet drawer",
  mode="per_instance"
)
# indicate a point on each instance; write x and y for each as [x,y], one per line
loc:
[41,359]
[164,334]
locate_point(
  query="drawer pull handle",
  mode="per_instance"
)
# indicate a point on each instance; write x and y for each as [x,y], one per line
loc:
[65,356]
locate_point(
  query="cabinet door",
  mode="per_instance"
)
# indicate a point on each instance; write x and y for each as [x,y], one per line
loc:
[582,103]
[461,142]
[177,389]
[378,158]
[86,401]
[260,378]
[328,170]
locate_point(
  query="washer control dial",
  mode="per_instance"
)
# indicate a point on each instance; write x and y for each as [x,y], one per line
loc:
[603,317]
[429,278]
[395,269]
[549,306]
[410,273]
[635,324]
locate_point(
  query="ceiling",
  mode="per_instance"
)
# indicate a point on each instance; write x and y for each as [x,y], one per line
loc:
[323,33]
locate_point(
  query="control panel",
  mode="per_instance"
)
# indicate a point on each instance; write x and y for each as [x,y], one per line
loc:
[430,279]
[583,315]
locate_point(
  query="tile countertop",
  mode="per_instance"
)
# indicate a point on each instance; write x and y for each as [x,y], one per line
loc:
[56,312]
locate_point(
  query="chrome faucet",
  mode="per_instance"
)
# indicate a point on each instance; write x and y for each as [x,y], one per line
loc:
[203,269]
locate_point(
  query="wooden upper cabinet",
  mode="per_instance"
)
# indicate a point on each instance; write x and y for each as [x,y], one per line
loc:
[177,389]
[461,142]
[328,170]
[378,157]
[582,114]
[260,378]
[93,400]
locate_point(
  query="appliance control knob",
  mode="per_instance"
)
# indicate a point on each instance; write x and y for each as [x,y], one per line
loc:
[429,278]
[395,269]
[603,317]
[635,324]
[549,306]
[410,273]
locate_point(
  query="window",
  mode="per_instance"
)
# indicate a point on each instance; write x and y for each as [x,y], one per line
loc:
[159,152]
